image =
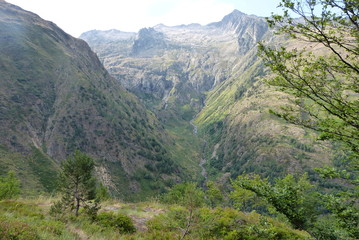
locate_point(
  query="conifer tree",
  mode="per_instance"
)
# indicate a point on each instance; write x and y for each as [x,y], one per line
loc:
[77,185]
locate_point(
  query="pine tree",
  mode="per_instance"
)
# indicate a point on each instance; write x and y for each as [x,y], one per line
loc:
[77,185]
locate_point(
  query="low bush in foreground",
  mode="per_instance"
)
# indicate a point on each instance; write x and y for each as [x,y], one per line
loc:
[118,221]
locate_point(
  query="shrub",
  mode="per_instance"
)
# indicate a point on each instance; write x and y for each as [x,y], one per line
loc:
[118,221]
[9,186]
[220,223]
[15,230]
[77,185]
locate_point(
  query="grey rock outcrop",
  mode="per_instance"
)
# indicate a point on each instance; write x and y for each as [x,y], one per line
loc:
[249,29]
[148,39]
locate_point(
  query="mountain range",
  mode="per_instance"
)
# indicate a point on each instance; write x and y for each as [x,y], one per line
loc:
[154,108]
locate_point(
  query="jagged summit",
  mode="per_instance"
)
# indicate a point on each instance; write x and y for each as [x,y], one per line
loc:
[236,18]
[249,29]
[233,15]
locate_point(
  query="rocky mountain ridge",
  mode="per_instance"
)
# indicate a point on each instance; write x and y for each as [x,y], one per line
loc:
[191,56]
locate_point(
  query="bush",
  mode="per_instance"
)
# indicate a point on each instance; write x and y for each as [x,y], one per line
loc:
[119,221]
[9,186]
[15,230]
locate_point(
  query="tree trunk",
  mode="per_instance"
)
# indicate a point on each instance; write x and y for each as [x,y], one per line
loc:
[188,224]
[77,206]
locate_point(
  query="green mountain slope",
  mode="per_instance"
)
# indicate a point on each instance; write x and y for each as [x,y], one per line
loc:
[244,137]
[56,97]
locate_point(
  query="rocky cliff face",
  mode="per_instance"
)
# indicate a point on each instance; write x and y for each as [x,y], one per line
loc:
[56,97]
[177,65]
[148,42]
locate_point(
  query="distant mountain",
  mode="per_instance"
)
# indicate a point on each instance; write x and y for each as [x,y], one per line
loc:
[249,29]
[212,73]
[56,97]
[195,56]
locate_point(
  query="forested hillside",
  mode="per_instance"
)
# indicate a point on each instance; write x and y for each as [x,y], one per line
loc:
[56,97]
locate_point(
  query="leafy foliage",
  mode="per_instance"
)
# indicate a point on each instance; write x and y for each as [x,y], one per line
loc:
[214,194]
[185,194]
[102,192]
[189,196]
[9,186]
[24,220]
[221,223]
[17,230]
[243,199]
[287,196]
[325,86]
[324,216]
[324,90]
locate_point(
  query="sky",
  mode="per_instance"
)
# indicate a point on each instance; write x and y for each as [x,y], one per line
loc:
[78,16]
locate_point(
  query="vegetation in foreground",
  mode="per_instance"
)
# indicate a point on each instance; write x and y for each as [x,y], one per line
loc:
[185,212]
[29,219]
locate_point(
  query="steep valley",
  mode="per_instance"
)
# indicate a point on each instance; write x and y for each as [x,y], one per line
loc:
[210,76]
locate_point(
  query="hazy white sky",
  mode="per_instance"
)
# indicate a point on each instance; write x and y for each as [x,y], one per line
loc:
[78,16]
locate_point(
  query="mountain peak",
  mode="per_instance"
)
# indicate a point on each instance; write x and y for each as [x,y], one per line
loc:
[234,17]
[249,29]
[236,12]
